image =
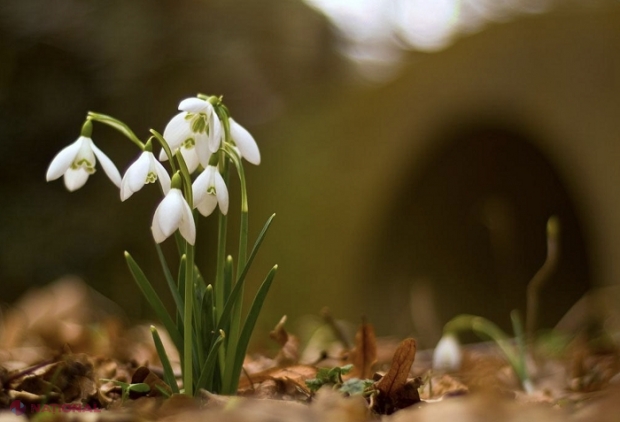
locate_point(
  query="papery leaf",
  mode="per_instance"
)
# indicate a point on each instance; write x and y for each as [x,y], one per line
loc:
[153,299]
[289,344]
[364,356]
[394,390]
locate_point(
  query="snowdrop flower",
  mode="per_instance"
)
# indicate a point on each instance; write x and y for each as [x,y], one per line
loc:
[171,214]
[77,161]
[209,190]
[245,143]
[197,131]
[146,169]
[447,354]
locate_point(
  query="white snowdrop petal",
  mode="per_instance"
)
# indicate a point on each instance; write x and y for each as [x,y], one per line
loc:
[108,166]
[191,159]
[137,173]
[199,187]
[202,149]
[75,178]
[195,105]
[169,212]
[158,235]
[176,132]
[207,205]
[221,192]
[62,161]
[187,226]
[245,142]
[447,354]
[162,175]
[215,133]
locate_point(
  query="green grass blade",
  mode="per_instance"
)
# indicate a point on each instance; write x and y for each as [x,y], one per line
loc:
[163,356]
[154,300]
[231,378]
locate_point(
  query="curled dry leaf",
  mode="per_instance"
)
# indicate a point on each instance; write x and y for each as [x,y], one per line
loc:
[364,355]
[289,344]
[394,390]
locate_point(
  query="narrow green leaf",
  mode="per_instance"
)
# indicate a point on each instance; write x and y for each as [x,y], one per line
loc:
[208,321]
[234,294]
[154,300]
[208,370]
[232,376]
[165,361]
[172,285]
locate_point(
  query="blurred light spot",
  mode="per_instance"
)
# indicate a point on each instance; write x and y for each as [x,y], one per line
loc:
[375,33]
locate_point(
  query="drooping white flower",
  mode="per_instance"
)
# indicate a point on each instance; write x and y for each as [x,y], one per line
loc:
[77,161]
[196,131]
[146,169]
[447,354]
[245,143]
[171,214]
[209,190]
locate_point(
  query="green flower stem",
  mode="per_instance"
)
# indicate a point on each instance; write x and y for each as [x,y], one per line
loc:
[220,299]
[118,125]
[166,148]
[188,368]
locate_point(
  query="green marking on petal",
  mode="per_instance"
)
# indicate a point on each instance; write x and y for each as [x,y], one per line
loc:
[85,164]
[151,177]
[199,123]
[189,143]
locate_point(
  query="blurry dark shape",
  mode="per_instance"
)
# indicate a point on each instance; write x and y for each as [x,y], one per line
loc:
[473,223]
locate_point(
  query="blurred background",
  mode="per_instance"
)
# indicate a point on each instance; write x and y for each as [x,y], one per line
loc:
[413,150]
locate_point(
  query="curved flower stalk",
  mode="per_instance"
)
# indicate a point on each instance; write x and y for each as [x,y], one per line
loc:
[210,191]
[146,169]
[77,161]
[196,131]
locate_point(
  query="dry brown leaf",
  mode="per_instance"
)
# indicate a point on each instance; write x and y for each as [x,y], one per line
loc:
[364,356]
[394,390]
[146,376]
[293,376]
[289,351]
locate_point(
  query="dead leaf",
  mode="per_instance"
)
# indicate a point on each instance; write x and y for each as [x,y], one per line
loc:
[288,380]
[146,376]
[394,390]
[289,351]
[364,356]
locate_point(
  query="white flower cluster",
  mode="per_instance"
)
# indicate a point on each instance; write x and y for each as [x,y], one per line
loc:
[197,132]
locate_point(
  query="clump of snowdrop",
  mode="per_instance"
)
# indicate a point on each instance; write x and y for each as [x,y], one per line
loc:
[200,145]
